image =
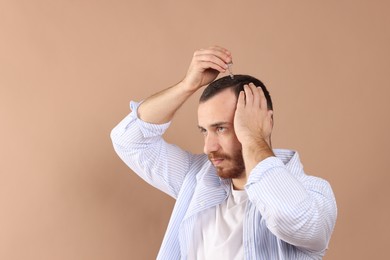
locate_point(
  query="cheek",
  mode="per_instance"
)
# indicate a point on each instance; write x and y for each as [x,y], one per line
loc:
[231,144]
[234,140]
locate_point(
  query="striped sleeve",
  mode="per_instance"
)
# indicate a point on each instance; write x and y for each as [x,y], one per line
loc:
[299,210]
[141,146]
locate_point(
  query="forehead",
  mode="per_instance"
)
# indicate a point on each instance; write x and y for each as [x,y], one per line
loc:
[219,108]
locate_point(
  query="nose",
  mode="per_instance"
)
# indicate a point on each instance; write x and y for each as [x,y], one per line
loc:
[211,143]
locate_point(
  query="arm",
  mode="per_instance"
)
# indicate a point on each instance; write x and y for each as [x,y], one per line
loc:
[138,138]
[253,125]
[298,209]
[204,68]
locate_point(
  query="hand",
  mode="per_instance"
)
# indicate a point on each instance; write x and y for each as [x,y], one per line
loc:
[252,119]
[205,66]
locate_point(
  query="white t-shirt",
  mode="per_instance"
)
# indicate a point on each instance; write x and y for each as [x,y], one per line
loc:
[218,230]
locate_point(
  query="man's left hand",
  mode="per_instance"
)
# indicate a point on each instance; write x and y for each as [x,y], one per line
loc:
[252,119]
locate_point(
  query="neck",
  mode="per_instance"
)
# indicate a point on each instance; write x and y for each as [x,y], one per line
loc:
[239,183]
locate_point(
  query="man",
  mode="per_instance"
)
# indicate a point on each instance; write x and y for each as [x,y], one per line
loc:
[241,199]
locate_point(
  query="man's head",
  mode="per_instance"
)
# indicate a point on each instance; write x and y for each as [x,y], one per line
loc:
[236,84]
[217,106]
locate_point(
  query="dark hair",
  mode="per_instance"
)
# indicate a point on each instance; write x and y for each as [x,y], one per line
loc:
[236,84]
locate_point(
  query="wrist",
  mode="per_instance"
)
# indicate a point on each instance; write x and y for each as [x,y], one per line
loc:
[254,140]
[188,86]
[185,88]
[258,150]
[255,151]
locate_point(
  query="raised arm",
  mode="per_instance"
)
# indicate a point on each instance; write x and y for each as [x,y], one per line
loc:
[137,139]
[299,209]
[205,66]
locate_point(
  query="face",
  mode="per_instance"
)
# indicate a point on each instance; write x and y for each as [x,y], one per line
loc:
[216,117]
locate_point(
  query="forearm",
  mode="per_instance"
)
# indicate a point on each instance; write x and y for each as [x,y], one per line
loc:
[140,145]
[300,213]
[253,125]
[255,151]
[162,106]
[205,66]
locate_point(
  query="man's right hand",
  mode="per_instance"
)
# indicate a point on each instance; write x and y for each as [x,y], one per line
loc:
[205,66]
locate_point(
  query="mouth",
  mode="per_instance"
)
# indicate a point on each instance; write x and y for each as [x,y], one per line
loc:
[217,161]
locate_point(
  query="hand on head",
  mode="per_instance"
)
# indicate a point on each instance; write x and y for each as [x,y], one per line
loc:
[252,119]
[206,65]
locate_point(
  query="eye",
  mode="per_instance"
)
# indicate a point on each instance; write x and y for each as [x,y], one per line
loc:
[202,131]
[221,129]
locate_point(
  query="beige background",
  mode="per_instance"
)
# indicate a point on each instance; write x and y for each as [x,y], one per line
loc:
[69,68]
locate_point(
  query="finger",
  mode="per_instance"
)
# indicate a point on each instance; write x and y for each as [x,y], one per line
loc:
[212,58]
[248,95]
[205,65]
[219,48]
[208,58]
[256,95]
[241,100]
[263,100]
[221,54]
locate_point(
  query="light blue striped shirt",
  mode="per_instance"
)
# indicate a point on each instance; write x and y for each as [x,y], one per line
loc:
[289,215]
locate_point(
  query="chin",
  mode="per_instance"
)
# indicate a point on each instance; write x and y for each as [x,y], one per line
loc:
[229,173]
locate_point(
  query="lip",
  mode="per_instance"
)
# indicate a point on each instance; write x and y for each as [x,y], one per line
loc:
[217,161]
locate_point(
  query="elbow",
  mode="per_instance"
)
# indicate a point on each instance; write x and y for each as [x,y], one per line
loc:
[309,230]
[118,138]
[114,136]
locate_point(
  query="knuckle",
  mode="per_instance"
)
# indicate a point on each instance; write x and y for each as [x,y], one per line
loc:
[197,52]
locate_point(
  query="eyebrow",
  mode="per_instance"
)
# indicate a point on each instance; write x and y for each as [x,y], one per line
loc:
[218,124]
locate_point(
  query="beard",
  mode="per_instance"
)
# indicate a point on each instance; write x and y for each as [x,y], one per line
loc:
[234,166]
